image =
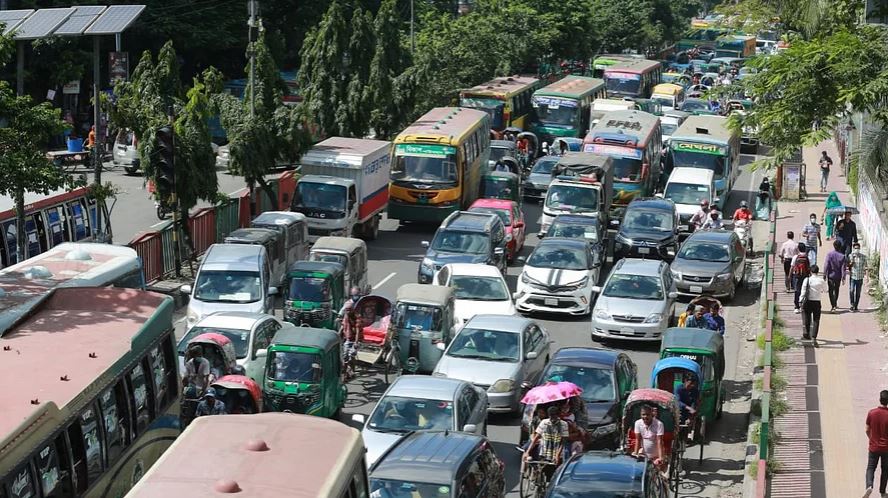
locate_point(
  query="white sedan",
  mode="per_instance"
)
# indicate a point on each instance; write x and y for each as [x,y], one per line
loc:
[478,289]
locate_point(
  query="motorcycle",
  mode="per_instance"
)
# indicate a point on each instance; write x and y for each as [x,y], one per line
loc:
[162,209]
[743,229]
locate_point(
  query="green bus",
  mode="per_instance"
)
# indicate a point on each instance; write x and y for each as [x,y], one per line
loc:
[562,108]
[90,392]
[604,61]
[707,142]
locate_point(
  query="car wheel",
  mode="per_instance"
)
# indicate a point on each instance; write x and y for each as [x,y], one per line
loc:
[595,338]
[733,292]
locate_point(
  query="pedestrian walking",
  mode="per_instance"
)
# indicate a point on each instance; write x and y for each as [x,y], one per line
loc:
[800,269]
[856,272]
[834,270]
[846,232]
[825,162]
[811,234]
[877,433]
[788,251]
[811,290]
[829,220]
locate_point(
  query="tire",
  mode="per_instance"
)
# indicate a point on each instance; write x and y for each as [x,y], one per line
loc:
[524,488]
[161,212]
[131,170]
[373,230]
[392,366]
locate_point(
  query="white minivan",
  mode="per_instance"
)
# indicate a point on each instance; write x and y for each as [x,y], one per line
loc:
[687,187]
[232,277]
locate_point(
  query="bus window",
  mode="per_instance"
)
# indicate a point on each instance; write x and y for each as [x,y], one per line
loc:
[54,481]
[132,280]
[58,229]
[33,230]
[91,203]
[162,361]
[92,445]
[115,430]
[21,483]
[139,404]
[79,223]
[9,244]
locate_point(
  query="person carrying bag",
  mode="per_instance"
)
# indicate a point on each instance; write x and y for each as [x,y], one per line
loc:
[809,299]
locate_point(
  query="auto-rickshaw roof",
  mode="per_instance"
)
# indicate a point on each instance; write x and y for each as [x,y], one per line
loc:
[696,339]
[676,362]
[438,295]
[317,266]
[346,244]
[252,235]
[502,175]
[307,337]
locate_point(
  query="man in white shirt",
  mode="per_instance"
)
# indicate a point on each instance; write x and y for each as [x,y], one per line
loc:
[649,436]
[197,369]
[812,288]
[788,251]
[714,222]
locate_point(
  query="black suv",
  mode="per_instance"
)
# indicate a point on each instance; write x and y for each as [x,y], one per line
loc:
[465,237]
[451,464]
[649,230]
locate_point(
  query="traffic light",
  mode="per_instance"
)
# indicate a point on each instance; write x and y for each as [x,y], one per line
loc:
[165,171]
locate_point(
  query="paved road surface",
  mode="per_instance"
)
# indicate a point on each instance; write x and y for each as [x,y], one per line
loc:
[394,259]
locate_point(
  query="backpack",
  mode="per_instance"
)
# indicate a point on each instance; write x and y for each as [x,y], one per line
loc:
[802,266]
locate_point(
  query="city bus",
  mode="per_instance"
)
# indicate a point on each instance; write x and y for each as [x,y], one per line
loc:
[634,78]
[437,164]
[702,36]
[50,220]
[261,455]
[604,61]
[562,108]
[707,142]
[90,392]
[506,99]
[633,140]
[735,46]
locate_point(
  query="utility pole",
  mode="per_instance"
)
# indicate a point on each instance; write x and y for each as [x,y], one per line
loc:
[96,148]
[412,34]
[253,6]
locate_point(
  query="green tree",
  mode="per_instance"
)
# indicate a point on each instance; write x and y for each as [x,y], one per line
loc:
[145,103]
[322,75]
[386,92]
[353,115]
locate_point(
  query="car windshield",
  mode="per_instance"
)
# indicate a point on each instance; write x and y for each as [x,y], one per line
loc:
[320,196]
[391,488]
[597,383]
[311,289]
[489,345]
[504,214]
[572,198]
[689,159]
[544,166]
[559,257]
[648,220]
[290,366]
[628,85]
[686,193]
[667,129]
[461,242]
[401,414]
[705,251]
[479,288]
[228,286]
[573,230]
[425,164]
[692,105]
[240,338]
[627,286]
[413,316]
[598,485]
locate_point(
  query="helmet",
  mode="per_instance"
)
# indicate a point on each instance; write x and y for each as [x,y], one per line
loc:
[355,293]
[743,204]
[704,203]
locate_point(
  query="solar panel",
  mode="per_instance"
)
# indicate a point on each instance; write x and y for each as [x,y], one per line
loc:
[114,20]
[42,23]
[12,18]
[80,20]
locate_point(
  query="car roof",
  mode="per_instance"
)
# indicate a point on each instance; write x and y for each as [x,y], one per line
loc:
[478,269]
[564,242]
[494,203]
[239,320]
[694,176]
[591,470]
[635,266]
[584,356]
[711,236]
[503,323]
[469,220]
[652,203]
[425,386]
[578,219]
[433,457]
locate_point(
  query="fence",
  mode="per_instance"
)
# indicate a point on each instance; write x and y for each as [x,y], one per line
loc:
[207,226]
[769,298]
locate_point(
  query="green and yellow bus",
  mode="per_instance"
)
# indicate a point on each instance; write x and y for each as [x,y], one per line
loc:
[438,163]
[562,109]
[90,392]
[604,61]
[506,99]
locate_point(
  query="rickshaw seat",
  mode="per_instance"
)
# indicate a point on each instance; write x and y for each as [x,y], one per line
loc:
[375,333]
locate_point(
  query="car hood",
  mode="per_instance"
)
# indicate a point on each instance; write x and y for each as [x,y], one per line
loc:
[646,235]
[702,268]
[601,413]
[623,306]
[476,371]
[203,308]
[554,277]
[378,443]
[687,209]
[443,258]
[539,179]
[466,308]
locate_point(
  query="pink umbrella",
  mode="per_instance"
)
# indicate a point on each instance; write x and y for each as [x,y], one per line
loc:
[551,391]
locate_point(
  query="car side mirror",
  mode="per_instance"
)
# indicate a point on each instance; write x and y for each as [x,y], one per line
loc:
[532,355]
[358,418]
[499,251]
[425,244]
[272,291]
[261,353]
[470,428]
[521,259]
[596,289]
[185,289]
[673,295]
[440,345]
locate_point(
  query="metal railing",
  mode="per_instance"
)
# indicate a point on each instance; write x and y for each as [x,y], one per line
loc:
[770,297]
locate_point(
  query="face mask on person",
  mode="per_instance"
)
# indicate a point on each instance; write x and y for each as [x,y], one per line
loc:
[355,297]
[813,220]
[856,250]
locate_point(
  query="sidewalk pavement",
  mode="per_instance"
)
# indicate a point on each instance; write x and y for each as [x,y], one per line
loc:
[822,447]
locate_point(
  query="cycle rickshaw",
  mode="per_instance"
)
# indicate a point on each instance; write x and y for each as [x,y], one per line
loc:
[665,409]
[668,374]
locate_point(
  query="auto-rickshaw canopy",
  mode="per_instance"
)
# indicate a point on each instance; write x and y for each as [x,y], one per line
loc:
[308,337]
[435,295]
[333,269]
[345,244]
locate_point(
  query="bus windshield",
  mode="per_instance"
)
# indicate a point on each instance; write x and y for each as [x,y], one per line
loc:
[493,107]
[623,83]
[689,159]
[425,164]
[555,111]
[626,169]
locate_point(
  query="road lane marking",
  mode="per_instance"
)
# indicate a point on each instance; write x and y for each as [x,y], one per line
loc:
[386,279]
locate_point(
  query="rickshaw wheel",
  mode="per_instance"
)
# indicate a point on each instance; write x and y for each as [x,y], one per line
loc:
[701,439]
[527,487]
[392,366]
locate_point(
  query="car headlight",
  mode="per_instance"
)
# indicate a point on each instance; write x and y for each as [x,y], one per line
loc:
[676,274]
[438,374]
[502,386]
[603,315]
[603,430]
[427,264]
[670,251]
[578,284]
[724,277]
[192,318]
[654,318]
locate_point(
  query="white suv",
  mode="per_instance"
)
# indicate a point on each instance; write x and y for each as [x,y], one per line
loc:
[558,278]
[637,302]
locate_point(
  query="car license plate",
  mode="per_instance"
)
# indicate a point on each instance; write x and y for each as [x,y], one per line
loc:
[627,331]
[696,289]
[550,302]
[644,250]
[415,335]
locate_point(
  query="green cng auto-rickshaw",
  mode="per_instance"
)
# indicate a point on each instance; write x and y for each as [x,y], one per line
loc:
[707,348]
[424,323]
[314,293]
[303,373]
[501,185]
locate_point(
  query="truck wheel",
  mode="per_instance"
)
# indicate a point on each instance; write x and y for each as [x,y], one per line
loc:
[373,230]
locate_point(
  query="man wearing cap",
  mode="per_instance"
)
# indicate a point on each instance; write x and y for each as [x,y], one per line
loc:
[743,212]
[697,320]
[209,405]
[702,215]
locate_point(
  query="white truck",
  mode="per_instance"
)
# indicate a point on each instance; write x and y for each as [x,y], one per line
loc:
[344,187]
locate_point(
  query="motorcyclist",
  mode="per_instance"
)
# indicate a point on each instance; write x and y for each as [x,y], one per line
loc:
[763,200]
[702,215]
[743,213]
[714,222]
[350,326]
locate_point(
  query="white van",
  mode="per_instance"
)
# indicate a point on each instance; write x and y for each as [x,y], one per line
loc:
[231,277]
[687,187]
[612,105]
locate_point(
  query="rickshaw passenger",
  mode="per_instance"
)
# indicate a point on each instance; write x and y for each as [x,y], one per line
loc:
[714,320]
[687,394]
[649,436]
[697,320]
[577,434]
[550,435]
[197,369]
[243,404]
[209,405]
[687,313]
